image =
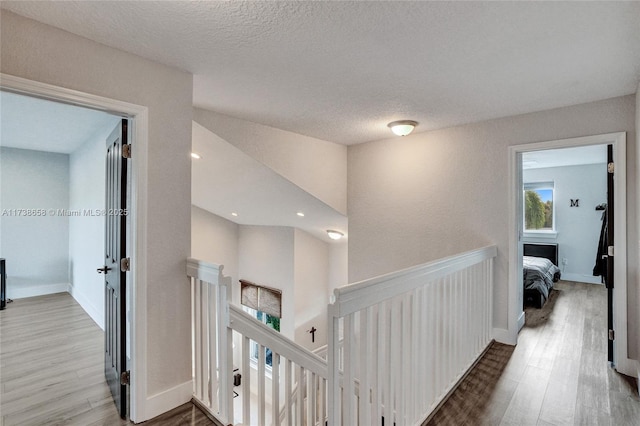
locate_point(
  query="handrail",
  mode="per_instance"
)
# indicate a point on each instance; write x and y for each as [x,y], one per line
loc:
[266,336]
[206,271]
[321,350]
[354,297]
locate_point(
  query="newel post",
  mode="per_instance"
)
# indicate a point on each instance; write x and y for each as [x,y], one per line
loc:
[225,351]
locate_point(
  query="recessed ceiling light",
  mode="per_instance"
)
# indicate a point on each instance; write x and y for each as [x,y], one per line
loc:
[196,156]
[334,235]
[300,214]
[234,214]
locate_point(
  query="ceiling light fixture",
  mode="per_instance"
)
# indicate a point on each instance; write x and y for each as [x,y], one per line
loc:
[196,156]
[402,127]
[334,235]
[300,214]
[234,214]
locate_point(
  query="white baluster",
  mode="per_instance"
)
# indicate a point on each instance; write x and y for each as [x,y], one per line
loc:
[349,361]
[288,379]
[275,388]
[246,380]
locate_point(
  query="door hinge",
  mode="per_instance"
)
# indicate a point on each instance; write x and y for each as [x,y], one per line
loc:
[610,251]
[125,264]
[611,167]
[612,335]
[125,377]
[126,151]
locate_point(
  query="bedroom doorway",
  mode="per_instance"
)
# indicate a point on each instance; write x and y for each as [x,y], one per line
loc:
[618,311]
[136,279]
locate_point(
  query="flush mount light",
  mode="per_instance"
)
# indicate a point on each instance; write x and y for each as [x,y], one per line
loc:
[234,214]
[196,156]
[300,214]
[402,127]
[334,235]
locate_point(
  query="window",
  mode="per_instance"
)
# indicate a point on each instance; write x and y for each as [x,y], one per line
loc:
[539,207]
[270,321]
[264,304]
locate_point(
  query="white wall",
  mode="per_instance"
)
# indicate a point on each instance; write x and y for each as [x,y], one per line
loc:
[86,233]
[433,194]
[266,257]
[319,167]
[578,228]
[338,264]
[215,239]
[42,53]
[36,247]
[311,277]
[281,257]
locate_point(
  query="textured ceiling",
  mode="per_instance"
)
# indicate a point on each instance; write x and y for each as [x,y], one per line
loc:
[340,71]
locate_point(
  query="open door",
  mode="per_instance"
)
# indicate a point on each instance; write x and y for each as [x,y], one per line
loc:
[608,279]
[116,265]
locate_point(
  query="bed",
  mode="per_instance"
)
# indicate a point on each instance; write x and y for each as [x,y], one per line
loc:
[540,271]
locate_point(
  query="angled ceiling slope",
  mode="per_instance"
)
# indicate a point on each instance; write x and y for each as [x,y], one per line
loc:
[225,180]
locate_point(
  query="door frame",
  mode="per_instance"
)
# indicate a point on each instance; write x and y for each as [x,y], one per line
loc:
[137,235]
[515,314]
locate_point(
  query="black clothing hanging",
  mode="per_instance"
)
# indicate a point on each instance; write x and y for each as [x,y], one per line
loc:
[601,256]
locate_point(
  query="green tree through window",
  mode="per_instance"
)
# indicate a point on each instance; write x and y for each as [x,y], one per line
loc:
[273,322]
[538,209]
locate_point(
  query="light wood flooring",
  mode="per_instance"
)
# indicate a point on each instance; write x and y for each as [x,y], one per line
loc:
[51,368]
[51,371]
[557,374]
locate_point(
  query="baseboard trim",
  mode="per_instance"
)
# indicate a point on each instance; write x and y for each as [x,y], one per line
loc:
[521,321]
[432,411]
[588,279]
[502,335]
[92,310]
[206,412]
[627,366]
[168,400]
[22,292]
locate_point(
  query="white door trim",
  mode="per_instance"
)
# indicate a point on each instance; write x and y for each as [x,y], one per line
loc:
[139,168]
[619,140]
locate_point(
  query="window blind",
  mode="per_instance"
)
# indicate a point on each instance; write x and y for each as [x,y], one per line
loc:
[261,298]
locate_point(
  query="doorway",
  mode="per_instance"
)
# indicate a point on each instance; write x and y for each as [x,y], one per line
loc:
[516,314]
[136,279]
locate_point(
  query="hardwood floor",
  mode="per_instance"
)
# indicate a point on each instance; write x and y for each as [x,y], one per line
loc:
[51,356]
[556,375]
[51,368]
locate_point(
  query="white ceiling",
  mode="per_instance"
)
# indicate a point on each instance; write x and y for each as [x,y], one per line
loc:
[594,154]
[226,180]
[41,125]
[340,71]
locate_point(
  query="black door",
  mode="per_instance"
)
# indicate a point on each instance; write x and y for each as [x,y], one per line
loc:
[608,279]
[115,266]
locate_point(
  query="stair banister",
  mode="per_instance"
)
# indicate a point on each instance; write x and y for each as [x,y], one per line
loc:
[431,321]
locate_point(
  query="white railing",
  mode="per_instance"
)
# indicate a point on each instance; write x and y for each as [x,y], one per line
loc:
[397,346]
[292,391]
[408,338]
[211,341]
